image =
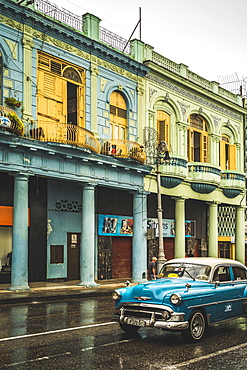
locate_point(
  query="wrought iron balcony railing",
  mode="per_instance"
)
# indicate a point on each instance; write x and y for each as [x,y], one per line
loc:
[64,133]
[123,149]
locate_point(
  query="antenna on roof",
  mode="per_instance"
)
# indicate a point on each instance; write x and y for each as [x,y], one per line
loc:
[234,84]
[138,23]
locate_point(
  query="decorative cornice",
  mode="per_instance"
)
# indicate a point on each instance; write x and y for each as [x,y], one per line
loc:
[189,95]
[71,40]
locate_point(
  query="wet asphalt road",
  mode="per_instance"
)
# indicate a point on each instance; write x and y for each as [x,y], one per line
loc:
[79,334]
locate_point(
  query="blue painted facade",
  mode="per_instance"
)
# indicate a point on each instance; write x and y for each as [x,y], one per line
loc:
[64,182]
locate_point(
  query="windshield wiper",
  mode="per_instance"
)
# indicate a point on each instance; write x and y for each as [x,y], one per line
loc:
[189,274]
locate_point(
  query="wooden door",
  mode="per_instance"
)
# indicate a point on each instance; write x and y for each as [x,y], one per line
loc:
[73,248]
[121,257]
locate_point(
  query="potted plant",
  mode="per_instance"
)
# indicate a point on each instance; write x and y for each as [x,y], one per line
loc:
[12,102]
[17,125]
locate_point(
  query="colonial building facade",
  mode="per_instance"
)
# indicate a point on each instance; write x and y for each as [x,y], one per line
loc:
[72,201]
[80,125]
[203,184]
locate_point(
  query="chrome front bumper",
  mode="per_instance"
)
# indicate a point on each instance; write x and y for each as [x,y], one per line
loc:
[175,322]
[166,325]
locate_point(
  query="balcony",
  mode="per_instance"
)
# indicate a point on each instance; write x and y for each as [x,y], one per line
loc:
[204,177]
[232,182]
[173,172]
[123,149]
[64,133]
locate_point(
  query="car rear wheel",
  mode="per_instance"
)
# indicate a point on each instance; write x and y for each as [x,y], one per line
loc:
[130,329]
[197,327]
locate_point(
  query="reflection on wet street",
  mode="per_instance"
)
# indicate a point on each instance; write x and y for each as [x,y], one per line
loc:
[79,334]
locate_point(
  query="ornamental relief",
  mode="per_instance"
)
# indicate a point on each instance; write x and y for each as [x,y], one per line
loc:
[27,43]
[184,107]
[216,120]
[11,23]
[12,47]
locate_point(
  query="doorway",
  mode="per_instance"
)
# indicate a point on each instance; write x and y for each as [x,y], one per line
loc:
[121,257]
[73,256]
[72,117]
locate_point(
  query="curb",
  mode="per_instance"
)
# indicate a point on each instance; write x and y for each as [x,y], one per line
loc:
[45,296]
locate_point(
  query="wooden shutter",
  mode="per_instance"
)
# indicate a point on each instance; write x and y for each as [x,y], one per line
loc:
[163,127]
[80,100]
[190,143]
[50,97]
[222,155]
[232,159]
[204,148]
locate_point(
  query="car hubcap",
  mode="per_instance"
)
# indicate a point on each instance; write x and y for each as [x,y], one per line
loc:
[197,326]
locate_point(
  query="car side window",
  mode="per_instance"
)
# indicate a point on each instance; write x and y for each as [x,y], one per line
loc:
[222,273]
[239,273]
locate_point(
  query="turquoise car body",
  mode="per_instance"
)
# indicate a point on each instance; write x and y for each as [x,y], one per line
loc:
[184,300]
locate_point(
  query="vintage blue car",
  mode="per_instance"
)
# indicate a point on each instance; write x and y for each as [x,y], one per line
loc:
[190,294]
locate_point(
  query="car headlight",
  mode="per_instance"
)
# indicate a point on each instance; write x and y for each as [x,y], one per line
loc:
[175,298]
[116,295]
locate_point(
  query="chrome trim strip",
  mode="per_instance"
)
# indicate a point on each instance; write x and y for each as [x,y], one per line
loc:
[215,303]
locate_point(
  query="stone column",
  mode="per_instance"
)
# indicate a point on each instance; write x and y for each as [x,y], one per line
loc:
[19,266]
[87,254]
[139,241]
[179,227]
[239,235]
[213,230]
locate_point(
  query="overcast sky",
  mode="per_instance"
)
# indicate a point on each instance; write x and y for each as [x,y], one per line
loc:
[209,36]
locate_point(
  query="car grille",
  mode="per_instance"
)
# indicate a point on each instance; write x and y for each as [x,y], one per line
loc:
[142,312]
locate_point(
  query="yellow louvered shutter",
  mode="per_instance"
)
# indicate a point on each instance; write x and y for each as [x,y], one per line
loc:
[163,127]
[80,94]
[50,97]
[204,148]
[190,143]
[232,159]
[222,155]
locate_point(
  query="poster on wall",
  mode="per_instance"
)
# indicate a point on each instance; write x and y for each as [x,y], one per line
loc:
[168,227]
[109,225]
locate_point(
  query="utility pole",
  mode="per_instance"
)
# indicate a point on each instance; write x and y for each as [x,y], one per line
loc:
[162,155]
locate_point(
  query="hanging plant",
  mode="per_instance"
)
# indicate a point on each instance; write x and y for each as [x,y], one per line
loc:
[17,125]
[12,102]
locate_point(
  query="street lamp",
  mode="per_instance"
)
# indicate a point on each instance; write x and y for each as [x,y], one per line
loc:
[162,156]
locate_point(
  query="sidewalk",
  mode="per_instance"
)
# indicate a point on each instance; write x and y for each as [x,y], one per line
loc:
[58,290]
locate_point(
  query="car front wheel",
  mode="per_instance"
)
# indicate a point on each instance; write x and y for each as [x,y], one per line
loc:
[197,327]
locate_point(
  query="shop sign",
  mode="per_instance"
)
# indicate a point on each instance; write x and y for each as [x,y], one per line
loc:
[5,122]
[168,227]
[110,225]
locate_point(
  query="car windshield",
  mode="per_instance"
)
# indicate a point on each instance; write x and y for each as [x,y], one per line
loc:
[185,270]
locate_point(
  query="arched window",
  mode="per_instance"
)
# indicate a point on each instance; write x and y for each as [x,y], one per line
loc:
[118,116]
[163,126]
[197,139]
[60,96]
[227,154]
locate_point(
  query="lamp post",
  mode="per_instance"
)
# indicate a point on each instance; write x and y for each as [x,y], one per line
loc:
[162,156]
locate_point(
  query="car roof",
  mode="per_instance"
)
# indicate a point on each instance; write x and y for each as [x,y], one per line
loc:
[209,261]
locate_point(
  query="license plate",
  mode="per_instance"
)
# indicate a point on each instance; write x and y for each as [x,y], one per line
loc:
[136,322]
